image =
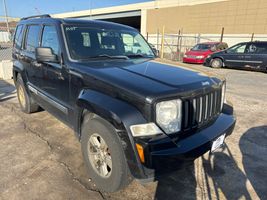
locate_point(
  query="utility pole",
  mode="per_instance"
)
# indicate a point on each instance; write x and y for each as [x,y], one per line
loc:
[90,9]
[7,25]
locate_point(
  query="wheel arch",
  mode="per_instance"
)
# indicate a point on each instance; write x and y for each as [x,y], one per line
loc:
[219,57]
[117,113]
[18,68]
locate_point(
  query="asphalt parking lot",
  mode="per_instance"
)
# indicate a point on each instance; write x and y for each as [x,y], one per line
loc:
[41,158]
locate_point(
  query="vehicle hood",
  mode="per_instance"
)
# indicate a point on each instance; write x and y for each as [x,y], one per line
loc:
[145,78]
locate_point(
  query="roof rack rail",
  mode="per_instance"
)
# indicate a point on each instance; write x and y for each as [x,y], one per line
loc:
[36,16]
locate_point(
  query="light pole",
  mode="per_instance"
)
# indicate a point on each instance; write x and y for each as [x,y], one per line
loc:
[5,10]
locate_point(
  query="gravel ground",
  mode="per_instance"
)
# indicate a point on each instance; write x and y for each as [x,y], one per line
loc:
[41,158]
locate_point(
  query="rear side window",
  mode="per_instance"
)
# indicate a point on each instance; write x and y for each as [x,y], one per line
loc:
[32,38]
[50,39]
[258,48]
[18,37]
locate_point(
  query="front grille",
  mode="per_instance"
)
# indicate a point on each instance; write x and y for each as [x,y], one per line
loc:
[191,56]
[200,110]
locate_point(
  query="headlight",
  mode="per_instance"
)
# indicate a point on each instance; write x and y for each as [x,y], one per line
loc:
[199,57]
[185,56]
[223,94]
[168,115]
[208,56]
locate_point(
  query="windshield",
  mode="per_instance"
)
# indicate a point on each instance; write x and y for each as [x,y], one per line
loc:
[90,43]
[202,47]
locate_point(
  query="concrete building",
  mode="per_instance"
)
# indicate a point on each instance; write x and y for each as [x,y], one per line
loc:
[192,16]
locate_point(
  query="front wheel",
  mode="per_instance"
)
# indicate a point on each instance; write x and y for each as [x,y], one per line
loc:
[216,63]
[103,155]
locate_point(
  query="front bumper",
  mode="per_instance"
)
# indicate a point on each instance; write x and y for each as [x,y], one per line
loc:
[166,155]
[194,60]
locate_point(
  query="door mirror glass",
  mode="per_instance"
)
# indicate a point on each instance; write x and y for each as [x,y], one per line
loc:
[45,54]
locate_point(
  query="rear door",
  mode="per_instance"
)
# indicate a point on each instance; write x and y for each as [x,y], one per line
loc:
[33,69]
[234,56]
[257,55]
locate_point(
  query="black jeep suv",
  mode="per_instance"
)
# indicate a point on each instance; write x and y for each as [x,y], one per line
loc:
[135,117]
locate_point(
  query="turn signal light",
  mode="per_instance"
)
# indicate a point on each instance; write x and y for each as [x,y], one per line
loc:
[140,151]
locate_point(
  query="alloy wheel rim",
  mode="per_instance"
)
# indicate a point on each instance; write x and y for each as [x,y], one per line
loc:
[21,96]
[99,155]
[216,63]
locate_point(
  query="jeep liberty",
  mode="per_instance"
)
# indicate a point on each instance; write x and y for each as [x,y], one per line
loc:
[134,116]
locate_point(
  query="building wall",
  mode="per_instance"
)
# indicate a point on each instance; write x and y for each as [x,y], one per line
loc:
[236,16]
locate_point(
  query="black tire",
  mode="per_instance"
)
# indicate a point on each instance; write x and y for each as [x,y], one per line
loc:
[27,104]
[119,176]
[216,63]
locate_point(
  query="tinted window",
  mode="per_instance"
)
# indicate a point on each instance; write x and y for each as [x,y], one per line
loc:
[259,48]
[32,38]
[18,37]
[50,39]
[86,43]
[202,47]
[239,48]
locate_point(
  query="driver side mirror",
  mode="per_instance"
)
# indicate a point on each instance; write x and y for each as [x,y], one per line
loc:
[45,54]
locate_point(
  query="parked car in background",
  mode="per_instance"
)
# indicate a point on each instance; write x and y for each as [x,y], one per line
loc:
[199,52]
[249,55]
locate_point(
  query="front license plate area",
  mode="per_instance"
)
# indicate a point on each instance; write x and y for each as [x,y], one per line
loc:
[217,143]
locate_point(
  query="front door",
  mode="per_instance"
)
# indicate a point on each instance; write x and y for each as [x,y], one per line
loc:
[235,56]
[55,76]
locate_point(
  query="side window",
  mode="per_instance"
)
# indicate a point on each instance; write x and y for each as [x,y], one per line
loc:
[32,38]
[261,48]
[18,37]
[238,48]
[252,48]
[50,39]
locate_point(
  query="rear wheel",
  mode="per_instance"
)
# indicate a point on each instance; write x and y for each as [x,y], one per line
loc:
[27,105]
[103,154]
[216,63]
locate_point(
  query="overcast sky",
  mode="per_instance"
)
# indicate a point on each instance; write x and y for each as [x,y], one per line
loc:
[22,8]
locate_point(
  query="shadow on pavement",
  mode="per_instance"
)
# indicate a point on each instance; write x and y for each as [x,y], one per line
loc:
[7,91]
[220,174]
[225,176]
[178,185]
[253,145]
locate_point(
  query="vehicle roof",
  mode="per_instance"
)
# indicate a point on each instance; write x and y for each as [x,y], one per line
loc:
[212,42]
[74,21]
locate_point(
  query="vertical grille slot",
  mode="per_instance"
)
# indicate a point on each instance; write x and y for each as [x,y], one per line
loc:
[200,110]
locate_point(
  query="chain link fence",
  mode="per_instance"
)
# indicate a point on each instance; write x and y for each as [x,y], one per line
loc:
[5,43]
[174,46]
[6,52]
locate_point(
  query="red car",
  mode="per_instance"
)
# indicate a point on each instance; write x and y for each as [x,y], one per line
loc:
[199,52]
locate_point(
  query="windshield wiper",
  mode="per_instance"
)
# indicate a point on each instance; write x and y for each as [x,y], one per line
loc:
[110,57]
[138,55]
